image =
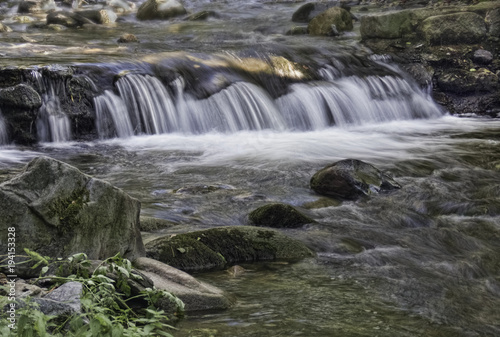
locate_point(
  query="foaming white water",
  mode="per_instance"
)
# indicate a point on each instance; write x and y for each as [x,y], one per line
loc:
[4,137]
[378,143]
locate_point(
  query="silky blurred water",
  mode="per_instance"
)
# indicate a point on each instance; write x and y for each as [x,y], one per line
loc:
[420,261]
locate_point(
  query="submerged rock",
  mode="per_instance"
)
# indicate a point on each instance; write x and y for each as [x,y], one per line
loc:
[278,216]
[102,16]
[58,211]
[339,18]
[4,28]
[217,247]
[127,38]
[203,15]
[350,179]
[309,10]
[195,294]
[160,9]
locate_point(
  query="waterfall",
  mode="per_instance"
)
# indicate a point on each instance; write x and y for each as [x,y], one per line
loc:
[143,104]
[4,137]
[53,125]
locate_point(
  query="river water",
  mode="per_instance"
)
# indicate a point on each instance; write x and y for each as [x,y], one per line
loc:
[420,261]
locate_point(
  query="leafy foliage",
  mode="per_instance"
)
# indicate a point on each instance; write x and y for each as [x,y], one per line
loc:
[105,302]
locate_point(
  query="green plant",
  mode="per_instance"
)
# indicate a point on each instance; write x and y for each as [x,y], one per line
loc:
[105,302]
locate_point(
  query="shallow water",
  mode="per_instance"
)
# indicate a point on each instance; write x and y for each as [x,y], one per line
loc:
[420,261]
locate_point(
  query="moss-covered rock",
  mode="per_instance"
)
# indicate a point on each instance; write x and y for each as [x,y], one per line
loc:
[457,28]
[390,25]
[149,224]
[350,179]
[335,16]
[217,247]
[278,216]
[57,211]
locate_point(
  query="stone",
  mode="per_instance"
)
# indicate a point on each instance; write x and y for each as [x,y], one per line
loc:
[149,224]
[459,81]
[63,301]
[59,211]
[21,96]
[278,216]
[203,15]
[457,28]
[390,25]
[195,294]
[4,28]
[217,247]
[306,12]
[101,16]
[297,30]
[322,23]
[24,289]
[67,19]
[160,9]
[493,21]
[482,56]
[36,7]
[350,179]
[127,38]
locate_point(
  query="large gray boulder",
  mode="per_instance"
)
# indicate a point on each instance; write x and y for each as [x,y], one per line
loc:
[215,248]
[331,22]
[350,179]
[195,294]
[57,211]
[160,9]
[391,25]
[457,28]
[493,21]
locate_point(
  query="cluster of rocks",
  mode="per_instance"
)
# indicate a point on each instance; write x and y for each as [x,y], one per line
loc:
[58,211]
[454,50]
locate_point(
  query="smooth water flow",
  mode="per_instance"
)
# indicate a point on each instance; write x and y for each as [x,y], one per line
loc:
[4,137]
[53,125]
[144,105]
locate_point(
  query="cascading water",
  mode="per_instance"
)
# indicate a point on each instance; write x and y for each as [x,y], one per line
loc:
[53,125]
[144,104]
[4,137]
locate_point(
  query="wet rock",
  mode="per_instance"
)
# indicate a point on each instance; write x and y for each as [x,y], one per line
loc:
[387,25]
[297,30]
[203,15]
[457,28]
[306,12]
[460,81]
[58,211]
[120,6]
[215,248]
[235,271]
[102,16]
[67,19]
[36,7]
[149,224]
[337,17]
[24,289]
[4,28]
[21,96]
[493,21]
[160,9]
[195,294]
[278,216]
[482,56]
[127,38]
[350,178]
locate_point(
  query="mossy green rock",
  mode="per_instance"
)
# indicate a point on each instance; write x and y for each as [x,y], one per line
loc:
[57,211]
[322,23]
[278,216]
[461,81]
[457,28]
[350,178]
[217,247]
[390,25]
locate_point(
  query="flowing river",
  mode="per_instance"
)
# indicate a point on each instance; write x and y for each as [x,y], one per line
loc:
[420,261]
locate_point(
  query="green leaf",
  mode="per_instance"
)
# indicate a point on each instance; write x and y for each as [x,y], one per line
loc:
[44,270]
[182,250]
